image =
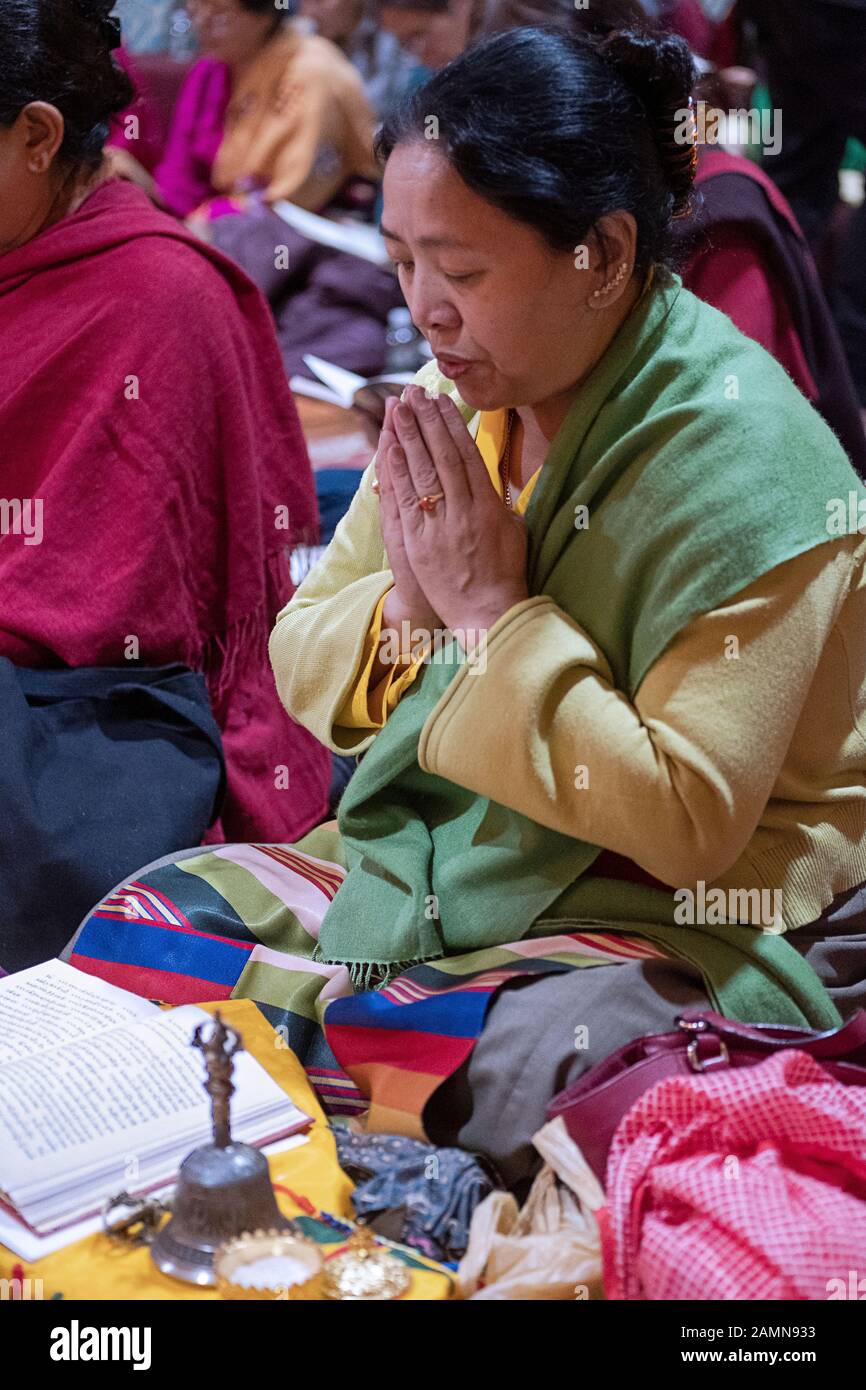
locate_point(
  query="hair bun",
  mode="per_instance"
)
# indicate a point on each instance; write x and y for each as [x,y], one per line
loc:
[98,13]
[659,68]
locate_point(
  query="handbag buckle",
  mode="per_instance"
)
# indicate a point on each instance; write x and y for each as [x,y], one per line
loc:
[696,1026]
[721,1058]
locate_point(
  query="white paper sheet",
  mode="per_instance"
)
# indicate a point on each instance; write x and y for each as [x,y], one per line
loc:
[52,1004]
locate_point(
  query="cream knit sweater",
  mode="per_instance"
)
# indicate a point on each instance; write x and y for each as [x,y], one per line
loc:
[741,763]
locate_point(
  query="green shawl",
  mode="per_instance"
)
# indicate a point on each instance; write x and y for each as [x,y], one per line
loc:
[683,444]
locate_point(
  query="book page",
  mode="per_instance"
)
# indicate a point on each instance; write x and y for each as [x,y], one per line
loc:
[50,1005]
[124,1093]
[100,1088]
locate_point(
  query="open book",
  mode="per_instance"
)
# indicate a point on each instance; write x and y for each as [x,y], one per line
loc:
[339,386]
[355,238]
[101,1092]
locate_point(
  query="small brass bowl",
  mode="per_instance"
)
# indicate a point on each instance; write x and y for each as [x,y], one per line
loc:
[273,1265]
[365,1272]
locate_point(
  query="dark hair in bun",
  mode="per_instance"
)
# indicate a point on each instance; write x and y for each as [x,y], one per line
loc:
[59,51]
[99,12]
[559,128]
[659,68]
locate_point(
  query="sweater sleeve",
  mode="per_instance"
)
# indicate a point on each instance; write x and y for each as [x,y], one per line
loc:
[318,642]
[366,708]
[325,639]
[676,781]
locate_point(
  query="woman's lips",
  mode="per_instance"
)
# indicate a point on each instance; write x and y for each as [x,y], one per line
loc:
[453,367]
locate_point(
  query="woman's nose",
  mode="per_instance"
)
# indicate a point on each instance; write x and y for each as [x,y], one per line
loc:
[431,312]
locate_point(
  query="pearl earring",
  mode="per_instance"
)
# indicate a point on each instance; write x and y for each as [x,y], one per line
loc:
[617,279]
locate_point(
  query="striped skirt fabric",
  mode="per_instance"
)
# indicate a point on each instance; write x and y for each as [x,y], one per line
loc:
[241,922]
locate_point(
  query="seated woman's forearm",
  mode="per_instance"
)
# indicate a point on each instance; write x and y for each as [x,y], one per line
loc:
[581,760]
[316,649]
[676,781]
[320,636]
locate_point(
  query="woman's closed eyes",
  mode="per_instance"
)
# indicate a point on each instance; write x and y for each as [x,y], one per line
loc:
[460,278]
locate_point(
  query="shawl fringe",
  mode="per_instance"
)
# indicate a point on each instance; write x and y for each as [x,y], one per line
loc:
[367,975]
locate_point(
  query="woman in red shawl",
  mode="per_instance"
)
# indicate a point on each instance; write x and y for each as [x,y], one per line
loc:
[145,421]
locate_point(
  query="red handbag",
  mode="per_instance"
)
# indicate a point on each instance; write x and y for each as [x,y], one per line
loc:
[594,1105]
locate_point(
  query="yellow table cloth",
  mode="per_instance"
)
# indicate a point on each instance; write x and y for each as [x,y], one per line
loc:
[97,1268]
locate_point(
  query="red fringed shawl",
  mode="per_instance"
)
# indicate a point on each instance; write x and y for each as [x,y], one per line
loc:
[144,407]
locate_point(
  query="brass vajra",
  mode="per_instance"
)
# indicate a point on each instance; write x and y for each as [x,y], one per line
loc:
[219,1047]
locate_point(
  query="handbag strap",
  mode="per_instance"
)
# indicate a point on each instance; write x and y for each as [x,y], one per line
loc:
[835,1042]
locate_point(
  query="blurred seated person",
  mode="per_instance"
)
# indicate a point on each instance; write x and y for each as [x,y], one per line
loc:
[437,31]
[324,301]
[714,36]
[742,251]
[739,247]
[143,403]
[434,31]
[139,133]
[816,74]
[268,110]
[147,27]
[387,70]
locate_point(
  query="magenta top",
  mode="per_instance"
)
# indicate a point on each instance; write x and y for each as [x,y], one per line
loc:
[183,176]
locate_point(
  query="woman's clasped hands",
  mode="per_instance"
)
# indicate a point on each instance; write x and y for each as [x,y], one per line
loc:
[459,560]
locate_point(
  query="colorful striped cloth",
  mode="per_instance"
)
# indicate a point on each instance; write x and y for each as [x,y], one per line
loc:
[241,922]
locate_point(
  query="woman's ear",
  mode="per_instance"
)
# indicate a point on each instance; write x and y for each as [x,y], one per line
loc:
[42,131]
[612,252]
[614,241]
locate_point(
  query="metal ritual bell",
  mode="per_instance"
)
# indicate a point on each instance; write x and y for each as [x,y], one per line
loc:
[224,1189]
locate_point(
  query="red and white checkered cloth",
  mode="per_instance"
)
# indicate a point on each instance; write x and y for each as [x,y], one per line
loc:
[741,1184]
